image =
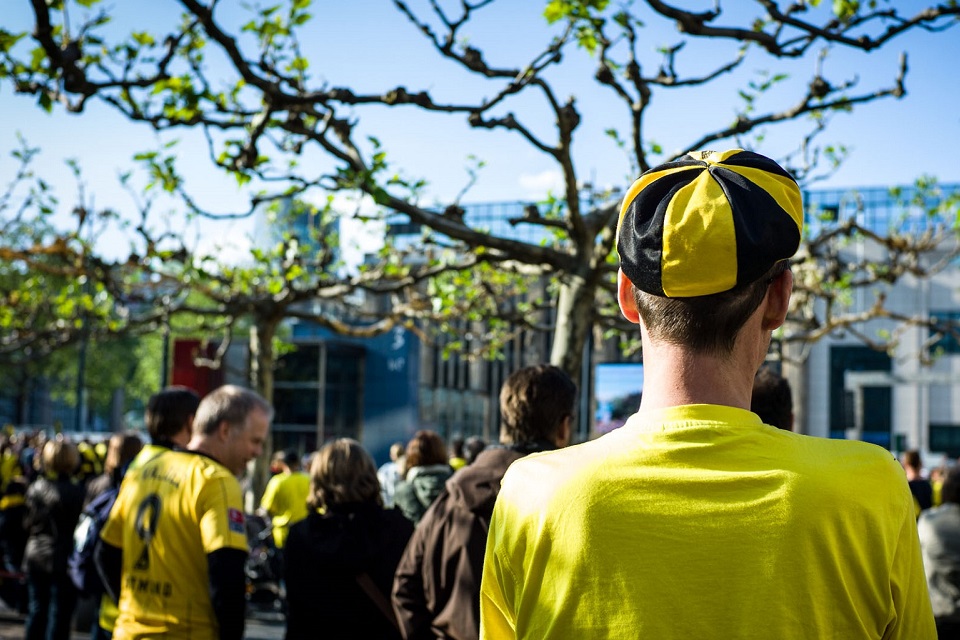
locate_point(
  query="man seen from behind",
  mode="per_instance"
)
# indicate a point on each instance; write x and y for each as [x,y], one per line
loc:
[285,497]
[437,586]
[695,519]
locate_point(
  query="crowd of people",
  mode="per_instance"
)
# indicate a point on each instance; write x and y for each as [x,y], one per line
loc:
[704,516]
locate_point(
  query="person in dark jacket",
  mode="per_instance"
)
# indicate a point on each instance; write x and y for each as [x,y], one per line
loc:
[341,559]
[53,502]
[436,590]
[427,469]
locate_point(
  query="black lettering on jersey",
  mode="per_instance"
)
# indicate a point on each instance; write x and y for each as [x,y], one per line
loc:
[153,473]
[151,587]
[148,514]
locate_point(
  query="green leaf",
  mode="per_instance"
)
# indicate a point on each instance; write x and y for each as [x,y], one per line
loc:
[555,10]
[143,38]
[846,9]
[299,64]
[7,39]
[37,56]
[46,102]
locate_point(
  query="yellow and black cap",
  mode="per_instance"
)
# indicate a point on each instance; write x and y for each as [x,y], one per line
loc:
[708,222]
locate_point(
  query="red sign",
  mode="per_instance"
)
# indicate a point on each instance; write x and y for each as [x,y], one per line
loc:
[186,372]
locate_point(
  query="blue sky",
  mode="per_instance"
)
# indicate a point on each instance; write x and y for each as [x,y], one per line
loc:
[369,46]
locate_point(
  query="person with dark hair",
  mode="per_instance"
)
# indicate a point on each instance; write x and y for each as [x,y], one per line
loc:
[341,558]
[695,519]
[53,505]
[939,531]
[169,418]
[173,550]
[472,448]
[426,470]
[772,400]
[920,487]
[285,497]
[436,592]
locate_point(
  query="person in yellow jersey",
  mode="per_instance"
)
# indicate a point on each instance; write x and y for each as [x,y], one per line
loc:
[174,546]
[169,422]
[695,519]
[285,497]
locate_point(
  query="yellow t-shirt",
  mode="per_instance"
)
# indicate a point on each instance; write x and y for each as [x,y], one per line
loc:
[702,522]
[285,500]
[172,511]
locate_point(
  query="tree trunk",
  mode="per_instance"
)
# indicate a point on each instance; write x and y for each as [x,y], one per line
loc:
[575,306]
[261,380]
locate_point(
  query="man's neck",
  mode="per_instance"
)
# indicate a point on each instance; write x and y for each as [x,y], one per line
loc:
[673,376]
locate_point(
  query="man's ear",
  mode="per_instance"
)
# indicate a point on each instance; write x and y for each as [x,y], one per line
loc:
[223,430]
[778,301]
[628,304]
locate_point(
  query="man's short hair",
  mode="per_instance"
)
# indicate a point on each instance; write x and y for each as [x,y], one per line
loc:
[291,458]
[169,411]
[772,400]
[230,404]
[705,324]
[534,402]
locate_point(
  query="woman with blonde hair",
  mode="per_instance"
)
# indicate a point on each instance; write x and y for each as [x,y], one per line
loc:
[339,562]
[53,502]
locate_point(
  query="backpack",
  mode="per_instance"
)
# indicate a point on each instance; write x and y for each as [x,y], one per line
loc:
[80,566]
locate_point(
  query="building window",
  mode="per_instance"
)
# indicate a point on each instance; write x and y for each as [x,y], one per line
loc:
[877,402]
[945,438]
[947,342]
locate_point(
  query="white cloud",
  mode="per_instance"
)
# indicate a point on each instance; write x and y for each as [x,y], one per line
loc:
[538,184]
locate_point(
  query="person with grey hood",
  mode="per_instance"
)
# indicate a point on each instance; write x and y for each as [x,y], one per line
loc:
[436,590]
[427,469]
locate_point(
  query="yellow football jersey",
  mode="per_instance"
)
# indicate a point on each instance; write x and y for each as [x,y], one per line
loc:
[172,511]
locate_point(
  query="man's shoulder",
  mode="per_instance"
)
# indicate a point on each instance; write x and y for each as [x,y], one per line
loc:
[539,477]
[847,456]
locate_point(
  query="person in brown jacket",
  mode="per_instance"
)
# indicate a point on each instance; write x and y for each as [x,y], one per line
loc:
[536,406]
